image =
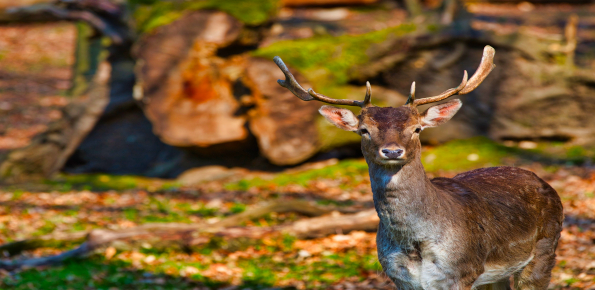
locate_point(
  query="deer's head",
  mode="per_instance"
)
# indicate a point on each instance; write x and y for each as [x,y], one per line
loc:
[390,136]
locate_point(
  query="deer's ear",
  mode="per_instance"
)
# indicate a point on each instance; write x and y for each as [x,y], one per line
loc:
[342,118]
[439,114]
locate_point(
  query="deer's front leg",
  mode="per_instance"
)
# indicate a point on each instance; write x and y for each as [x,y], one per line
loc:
[396,263]
[442,268]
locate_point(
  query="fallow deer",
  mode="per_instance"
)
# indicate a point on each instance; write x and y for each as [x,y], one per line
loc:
[473,231]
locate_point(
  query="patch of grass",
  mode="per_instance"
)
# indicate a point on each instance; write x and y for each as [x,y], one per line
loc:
[94,181]
[577,153]
[150,14]
[477,152]
[170,186]
[47,228]
[327,59]
[237,208]
[104,182]
[165,218]
[78,227]
[16,194]
[268,269]
[571,281]
[317,274]
[466,154]
[564,153]
[158,204]
[335,202]
[345,168]
[275,264]
[131,214]
[158,210]
[92,273]
[256,276]
[198,209]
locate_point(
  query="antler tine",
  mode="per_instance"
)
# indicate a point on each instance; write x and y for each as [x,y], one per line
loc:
[485,67]
[290,83]
[368,98]
[444,95]
[293,86]
[411,98]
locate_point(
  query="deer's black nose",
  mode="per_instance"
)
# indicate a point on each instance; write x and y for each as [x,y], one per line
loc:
[392,154]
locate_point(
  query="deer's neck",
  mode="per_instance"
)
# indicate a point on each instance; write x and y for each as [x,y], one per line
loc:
[403,195]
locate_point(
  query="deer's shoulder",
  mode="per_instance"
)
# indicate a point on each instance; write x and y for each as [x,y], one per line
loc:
[495,183]
[513,184]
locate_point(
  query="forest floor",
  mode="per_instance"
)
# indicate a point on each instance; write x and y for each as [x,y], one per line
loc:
[79,203]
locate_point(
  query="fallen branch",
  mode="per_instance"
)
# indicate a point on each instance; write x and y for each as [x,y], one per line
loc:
[366,220]
[307,228]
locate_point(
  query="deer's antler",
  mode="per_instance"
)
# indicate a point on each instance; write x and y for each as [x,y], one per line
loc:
[293,86]
[485,67]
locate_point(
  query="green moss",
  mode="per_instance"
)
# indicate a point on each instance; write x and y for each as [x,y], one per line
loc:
[330,269]
[68,182]
[576,152]
[557,152]
[47,228]
[197,208]
[466,154]
[237,208]
[327,59]
[131,214]
[354,169]
[571,281]
[91,273]
[150,14]
[93,181]
[477,152]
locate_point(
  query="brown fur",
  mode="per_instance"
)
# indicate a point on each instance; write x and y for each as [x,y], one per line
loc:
[450,232]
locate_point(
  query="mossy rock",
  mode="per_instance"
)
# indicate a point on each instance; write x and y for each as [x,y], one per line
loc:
[150,14]
[327,60]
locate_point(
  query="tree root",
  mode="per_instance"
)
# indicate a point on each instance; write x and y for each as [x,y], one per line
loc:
[340,220]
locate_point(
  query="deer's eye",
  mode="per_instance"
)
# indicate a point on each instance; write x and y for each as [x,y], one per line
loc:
[417,130]
[363,131]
